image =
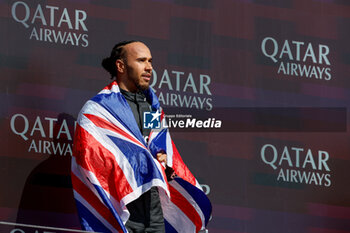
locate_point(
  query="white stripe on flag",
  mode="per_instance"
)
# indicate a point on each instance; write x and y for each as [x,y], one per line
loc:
[176,218]
[92,210]
[94,108]
[115,89]
[189,198]
[78,170]
[169,149]
[108,144]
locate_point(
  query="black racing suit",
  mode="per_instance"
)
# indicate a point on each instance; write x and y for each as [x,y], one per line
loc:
[146,213]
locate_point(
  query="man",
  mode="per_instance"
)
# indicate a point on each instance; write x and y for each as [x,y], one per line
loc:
[118,177]
[131,64]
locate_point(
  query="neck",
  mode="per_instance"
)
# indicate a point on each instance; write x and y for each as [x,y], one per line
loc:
[127,86]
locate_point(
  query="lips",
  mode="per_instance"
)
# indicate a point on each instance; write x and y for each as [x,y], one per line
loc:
[147,77]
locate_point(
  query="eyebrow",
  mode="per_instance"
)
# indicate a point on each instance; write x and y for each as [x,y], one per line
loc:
[144,58]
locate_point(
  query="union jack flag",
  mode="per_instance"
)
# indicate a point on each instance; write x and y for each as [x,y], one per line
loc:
[113,165]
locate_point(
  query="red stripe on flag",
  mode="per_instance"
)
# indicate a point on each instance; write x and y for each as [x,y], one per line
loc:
[109,87]
[182,203]
[102,123]
[162,115]
[180,168]
[94,157]
[93,200]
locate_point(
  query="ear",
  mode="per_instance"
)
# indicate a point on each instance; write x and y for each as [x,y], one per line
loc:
[120,66]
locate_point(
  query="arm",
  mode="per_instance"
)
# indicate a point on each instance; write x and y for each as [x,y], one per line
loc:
[170,173]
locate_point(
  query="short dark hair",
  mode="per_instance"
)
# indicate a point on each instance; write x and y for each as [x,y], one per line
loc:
[117,52]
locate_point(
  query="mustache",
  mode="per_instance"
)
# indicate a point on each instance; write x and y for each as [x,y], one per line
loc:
[146,74]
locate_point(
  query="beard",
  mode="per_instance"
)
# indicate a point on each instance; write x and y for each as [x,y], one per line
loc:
[137,80]
[142,87]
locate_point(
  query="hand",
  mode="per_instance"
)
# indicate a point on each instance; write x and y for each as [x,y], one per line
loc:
[161,157]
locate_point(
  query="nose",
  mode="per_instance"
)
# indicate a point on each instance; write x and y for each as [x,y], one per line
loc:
[149,66]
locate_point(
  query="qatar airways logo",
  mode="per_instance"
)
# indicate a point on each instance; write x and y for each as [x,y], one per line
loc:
[46,135]
[298,58]
[182,89]
[53,24]
[298,164]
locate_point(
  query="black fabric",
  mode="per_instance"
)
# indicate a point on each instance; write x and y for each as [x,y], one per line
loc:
[138,104]
[146,214]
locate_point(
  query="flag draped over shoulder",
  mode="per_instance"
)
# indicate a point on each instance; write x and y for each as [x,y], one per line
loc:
[112,165]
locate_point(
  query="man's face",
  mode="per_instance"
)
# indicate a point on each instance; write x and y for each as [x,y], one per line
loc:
[138,62]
